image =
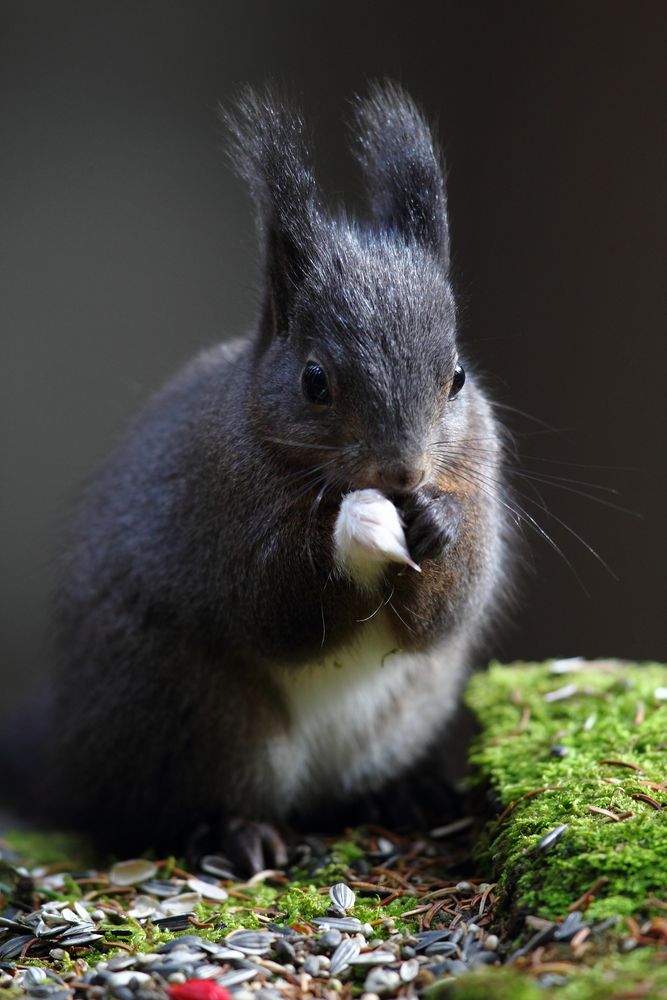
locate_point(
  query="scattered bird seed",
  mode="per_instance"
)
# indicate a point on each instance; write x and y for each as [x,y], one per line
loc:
[132,872]
[382,981]
[344,954]
[342,896]
[251,942]
[572,923]
[562,693]
[331,939]
[661,693]
[231,979]
[567,665]
[374,958]
[450,829]
[339,923]
[558,750]
[185,902]
[551,838]
[409,970]
[207,890]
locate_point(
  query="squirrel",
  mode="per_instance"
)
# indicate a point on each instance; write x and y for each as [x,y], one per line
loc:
[274,589]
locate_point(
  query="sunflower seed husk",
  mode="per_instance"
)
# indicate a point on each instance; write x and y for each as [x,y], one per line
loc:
[132,872]
[14,946]
[342,896]
[350,924]
[34,976]
[214,864]
[409,970]
[208,890]
[551,838]
[161,887]
[382,981]
[572,923]
[562,693]
[251,942]
[143,906]
[374,958]
[80,937]
[124,978]
[183,903]
[178,923]
[331,939]
[236,977]
[346,952]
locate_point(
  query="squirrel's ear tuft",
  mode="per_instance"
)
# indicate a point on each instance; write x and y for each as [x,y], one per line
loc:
[269,150]
[402,167]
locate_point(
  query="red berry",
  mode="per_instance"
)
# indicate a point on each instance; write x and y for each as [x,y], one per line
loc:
[198,989]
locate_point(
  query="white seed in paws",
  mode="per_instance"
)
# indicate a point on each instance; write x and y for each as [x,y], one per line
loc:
[368,533]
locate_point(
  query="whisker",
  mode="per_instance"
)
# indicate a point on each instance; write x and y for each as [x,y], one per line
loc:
[303,444]
[521,515]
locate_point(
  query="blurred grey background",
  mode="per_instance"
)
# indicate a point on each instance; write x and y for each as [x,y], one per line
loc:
[126,245]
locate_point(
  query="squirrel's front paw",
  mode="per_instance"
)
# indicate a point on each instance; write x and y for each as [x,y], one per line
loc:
[432,522]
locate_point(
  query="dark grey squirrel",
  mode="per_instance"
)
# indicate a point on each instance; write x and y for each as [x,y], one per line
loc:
[275,588]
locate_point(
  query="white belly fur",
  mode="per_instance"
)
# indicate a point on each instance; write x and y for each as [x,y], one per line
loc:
[360,716]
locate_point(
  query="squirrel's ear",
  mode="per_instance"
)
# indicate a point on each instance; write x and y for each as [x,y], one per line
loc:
[269,151]
[402,166]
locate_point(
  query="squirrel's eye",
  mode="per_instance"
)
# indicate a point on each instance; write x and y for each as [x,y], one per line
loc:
[458,381]
[315,384]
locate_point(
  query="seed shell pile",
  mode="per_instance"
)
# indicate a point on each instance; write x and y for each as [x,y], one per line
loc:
[555,886]
[142,928]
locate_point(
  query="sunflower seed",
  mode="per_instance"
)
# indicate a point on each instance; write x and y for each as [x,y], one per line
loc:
[331,939]
[34,976]
[207,889]
[409,970]
[441,948]
[374,958]
[143,906]
[551,838]
[214,864]
[427,938]
[567,666]
[312,965]
[179,923]
[251,942]
[80,937]
[339,923]
[562,693]
[132,872]
[451,828]
[121,962]
[572,923]
[161,887]
[342,896]
[382,981]
[125,978]
[14,946]
[231,979]
[183,903]
[345,953]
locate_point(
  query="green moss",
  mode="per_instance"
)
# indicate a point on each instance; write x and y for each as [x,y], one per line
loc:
[50,848]
[612,978]
[614,716]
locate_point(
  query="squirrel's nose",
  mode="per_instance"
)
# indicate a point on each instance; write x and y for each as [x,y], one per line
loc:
[399,477]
